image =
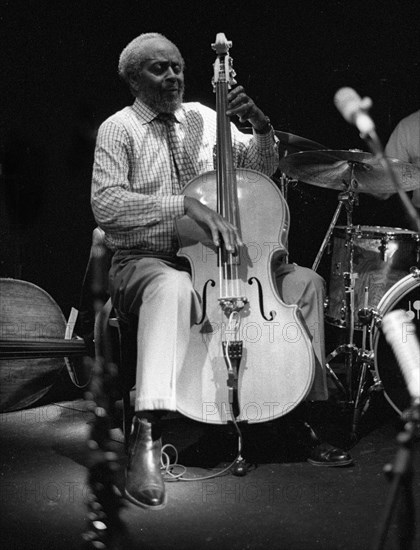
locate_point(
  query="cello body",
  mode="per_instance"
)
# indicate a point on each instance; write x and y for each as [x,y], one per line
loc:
[277,366]
[27,314]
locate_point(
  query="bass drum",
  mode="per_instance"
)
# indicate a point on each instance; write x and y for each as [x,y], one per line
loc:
[405,294]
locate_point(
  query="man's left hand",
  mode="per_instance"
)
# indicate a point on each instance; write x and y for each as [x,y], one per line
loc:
[241,105]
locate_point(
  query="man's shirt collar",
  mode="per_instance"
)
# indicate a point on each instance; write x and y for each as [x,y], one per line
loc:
[147,114]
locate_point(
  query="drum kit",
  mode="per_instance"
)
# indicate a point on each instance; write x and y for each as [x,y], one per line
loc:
[374,269]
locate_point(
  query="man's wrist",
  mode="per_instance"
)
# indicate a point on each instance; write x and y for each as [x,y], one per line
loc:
[263,127]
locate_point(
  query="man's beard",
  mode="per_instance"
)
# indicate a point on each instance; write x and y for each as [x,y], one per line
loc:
[154,99]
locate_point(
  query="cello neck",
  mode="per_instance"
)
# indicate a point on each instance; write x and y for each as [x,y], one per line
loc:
[225,171]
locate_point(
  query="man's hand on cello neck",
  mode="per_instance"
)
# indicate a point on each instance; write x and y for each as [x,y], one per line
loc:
[241,105]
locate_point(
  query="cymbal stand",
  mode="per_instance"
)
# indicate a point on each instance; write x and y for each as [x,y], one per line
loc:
[284,185]
[352,354]
[347,198]
[283,180]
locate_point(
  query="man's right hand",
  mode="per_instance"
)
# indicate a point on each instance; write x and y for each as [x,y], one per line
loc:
[218,226]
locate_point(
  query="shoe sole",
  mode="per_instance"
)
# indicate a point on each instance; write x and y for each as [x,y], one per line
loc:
[143,505]
[330,464]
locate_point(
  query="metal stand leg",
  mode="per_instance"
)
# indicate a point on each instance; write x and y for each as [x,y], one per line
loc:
[327,236]
[332,374]
[349,350]
[361,401]
[365,359]
[400,474]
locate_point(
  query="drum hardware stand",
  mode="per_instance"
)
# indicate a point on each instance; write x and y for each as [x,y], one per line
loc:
[400,474]
[360,400]
[364,391]
[284,185]
[348,198]
[332,374]
[349,348]
[365,358]
[283,181]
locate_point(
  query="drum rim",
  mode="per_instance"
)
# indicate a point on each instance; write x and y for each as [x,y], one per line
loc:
[403,283]
[375,230]
[403,287]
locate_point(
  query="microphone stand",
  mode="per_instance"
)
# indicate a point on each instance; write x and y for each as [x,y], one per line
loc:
[105,528]
[401,474]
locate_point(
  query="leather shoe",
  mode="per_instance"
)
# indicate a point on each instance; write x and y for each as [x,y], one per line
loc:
[325,454]
[320,453]
[144,482]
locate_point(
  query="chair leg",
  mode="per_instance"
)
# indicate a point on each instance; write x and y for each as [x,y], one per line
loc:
[127,355]
[127,417]
[116,339]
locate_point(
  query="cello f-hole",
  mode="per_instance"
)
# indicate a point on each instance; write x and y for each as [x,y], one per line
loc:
[204,295]
[261,299]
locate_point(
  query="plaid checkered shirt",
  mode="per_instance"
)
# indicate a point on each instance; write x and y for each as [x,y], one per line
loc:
[137,179]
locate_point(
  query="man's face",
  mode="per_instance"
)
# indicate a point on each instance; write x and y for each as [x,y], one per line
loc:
[160,83]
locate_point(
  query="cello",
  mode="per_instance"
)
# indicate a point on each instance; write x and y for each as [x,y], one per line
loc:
[249,357]
[32,339]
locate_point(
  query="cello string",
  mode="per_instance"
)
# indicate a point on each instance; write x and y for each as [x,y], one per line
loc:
[223,175]
[219,253]
[227,191]
[225,273]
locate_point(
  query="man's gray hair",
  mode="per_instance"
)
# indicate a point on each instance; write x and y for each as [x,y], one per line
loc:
[133,55]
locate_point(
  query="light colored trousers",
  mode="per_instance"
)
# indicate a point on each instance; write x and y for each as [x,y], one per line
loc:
[166,304]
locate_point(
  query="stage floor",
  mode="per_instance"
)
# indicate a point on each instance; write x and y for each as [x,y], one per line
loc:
[283,502]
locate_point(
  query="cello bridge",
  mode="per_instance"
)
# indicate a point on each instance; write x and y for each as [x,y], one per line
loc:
[230,304]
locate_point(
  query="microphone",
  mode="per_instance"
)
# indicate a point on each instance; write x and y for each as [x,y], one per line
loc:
[354,109]
[400,333]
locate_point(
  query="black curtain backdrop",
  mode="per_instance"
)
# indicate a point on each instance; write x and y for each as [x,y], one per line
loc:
[59,82]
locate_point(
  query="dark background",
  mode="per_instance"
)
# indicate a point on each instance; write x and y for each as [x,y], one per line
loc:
[59,82]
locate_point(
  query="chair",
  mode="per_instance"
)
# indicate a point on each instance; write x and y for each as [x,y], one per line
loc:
[119,337]
[112,338]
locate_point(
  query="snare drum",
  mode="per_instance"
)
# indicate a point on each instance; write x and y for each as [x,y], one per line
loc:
[381,257]
[403,295]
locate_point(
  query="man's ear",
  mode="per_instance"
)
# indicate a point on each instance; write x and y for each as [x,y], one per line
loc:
[133,80]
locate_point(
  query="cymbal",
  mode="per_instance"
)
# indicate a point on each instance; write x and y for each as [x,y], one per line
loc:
[292,143]
[334,169]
